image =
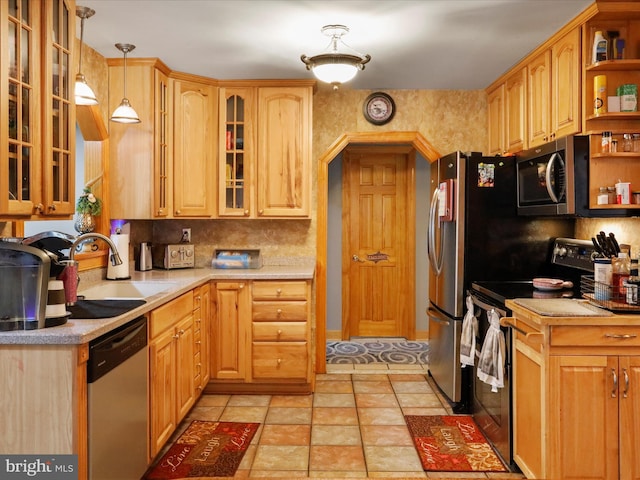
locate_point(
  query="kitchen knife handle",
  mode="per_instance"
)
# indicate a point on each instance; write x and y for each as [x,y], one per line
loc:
[615,383]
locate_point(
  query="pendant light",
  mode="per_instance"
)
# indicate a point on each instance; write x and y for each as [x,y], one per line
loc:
[83,93]
[334,66]
[125,112]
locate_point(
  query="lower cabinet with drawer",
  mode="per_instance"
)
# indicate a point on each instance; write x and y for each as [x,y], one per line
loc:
[576,398]
[261,335]
[172,368]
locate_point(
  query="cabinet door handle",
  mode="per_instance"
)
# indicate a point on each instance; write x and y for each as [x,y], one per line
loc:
[615,383]
[622,336]
[626,383]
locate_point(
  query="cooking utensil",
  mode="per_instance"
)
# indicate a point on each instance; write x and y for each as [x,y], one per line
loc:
[551,284]
[614,243]
[596,245]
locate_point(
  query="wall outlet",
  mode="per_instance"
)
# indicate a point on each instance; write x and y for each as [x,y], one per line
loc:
[186,235]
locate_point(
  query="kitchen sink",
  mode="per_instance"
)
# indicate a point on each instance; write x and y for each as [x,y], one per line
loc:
[119,290]
[107,308]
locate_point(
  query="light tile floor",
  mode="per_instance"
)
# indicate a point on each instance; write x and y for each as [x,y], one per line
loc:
[351,427]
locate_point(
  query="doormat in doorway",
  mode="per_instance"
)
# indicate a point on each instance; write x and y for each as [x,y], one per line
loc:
[452,443]
[206,450]
[372,350]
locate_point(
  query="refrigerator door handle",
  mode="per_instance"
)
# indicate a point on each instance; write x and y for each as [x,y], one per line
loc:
[435,261]
[437,317]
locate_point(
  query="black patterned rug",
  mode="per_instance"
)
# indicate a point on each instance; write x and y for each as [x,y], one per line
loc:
[363,351]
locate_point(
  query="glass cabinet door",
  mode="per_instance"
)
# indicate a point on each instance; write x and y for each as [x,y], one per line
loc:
[236,108]
[59,108]
[19,37]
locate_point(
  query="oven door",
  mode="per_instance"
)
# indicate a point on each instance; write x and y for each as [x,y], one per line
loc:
[492,411]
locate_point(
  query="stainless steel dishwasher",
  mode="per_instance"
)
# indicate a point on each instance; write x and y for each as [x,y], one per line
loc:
[117,372]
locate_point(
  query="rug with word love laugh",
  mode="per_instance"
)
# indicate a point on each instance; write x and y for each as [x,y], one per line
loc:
[205,449]
[452,443]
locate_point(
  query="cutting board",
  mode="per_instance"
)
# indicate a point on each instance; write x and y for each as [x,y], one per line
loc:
[561,307]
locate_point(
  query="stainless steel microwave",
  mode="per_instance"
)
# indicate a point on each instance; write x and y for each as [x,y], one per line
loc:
[546,177]
[553,180]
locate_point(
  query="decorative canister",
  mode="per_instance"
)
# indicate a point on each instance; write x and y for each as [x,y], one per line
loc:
[599,94]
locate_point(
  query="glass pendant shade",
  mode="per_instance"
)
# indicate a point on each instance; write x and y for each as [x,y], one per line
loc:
[83,93]
[125,112]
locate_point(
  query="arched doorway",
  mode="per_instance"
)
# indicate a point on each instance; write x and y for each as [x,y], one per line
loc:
[417,141]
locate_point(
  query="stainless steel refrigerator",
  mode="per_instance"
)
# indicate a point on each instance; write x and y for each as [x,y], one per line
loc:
[474,234]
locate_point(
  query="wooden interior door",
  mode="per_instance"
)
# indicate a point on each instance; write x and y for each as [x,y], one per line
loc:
[378,258]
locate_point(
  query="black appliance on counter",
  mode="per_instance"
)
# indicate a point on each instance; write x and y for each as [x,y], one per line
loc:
[474,233]
[569,259]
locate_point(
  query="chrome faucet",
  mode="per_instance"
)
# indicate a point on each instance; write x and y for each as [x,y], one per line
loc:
[115,256]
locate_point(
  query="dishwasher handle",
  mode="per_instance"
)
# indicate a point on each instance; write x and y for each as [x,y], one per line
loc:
[115,347]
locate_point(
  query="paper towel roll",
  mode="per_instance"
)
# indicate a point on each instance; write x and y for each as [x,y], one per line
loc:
[119,272]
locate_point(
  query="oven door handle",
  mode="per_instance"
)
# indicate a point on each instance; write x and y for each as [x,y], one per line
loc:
[485,306]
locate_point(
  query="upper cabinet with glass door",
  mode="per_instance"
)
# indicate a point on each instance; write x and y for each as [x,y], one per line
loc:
[237,107]
[37,142]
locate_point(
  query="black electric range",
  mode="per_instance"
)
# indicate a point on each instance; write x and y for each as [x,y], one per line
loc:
[570,260]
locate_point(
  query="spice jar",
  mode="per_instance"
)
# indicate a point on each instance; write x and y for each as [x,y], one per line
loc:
[606,142]
[613,197]
[614,145]
[627,143]
[636,142]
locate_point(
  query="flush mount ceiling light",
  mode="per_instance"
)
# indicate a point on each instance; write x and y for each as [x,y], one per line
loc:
[83,93]
[334,66]
[125,112]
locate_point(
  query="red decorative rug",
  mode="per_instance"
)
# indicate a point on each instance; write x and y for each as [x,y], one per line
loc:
[452,443]
[205,449]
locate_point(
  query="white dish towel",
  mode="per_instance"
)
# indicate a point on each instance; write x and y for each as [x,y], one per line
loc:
[468,336]
[491,361]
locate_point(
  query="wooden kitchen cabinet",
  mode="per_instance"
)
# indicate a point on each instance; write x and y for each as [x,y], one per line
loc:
[280,312]
[37,166]
[172,368]
[45,411]
[202,335]
[265,141]
[230,333]
[576,397]
[140,155]
[195,126]
[496,125]
[507,125]
[261,337]
[554,83]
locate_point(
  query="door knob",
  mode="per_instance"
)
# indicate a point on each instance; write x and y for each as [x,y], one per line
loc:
[356,258]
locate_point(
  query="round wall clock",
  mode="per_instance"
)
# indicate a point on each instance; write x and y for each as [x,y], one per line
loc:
[379,108]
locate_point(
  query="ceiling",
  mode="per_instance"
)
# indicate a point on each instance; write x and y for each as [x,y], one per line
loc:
[416,44]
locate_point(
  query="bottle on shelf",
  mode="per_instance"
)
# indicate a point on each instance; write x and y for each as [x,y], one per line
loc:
[600,47]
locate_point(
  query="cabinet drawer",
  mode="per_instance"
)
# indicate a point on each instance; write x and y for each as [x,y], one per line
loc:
[280,360]
[168,314]
[279,311]
[279,331]
[596,336]
[279,290]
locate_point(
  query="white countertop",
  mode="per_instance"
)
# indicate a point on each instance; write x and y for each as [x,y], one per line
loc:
[78,331]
